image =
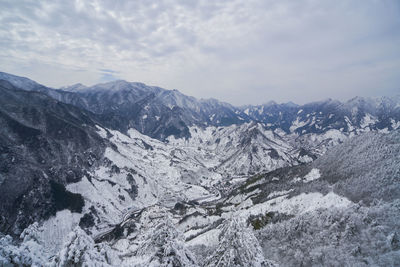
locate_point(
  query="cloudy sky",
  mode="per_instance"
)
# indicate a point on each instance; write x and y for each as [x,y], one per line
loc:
[242,52]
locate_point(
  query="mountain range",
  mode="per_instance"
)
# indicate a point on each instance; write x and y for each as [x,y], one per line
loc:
[160,113]
[122,173]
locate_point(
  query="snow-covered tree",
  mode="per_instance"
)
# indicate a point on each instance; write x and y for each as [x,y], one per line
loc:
[160,243]
[29,253]
[80,250]
[237,247]
[355,236]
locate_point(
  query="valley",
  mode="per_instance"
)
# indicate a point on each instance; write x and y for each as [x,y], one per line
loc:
[132,175]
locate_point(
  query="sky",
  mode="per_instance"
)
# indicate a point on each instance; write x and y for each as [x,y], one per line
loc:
[241,52]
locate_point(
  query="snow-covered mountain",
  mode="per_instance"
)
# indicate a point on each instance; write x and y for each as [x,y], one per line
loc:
[161,113]
[357,114]
[125,174]
[240,150]
[45,144]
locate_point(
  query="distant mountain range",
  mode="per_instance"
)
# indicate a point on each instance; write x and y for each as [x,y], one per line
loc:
[160,113]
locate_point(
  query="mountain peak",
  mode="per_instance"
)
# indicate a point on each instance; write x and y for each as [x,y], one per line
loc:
[118,85]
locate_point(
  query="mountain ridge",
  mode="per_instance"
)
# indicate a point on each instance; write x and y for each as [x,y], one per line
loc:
[25,82]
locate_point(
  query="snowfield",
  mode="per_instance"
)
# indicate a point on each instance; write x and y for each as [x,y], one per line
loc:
[159,203]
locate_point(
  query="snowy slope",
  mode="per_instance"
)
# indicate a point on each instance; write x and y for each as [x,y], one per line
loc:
[239,150]
[149,210]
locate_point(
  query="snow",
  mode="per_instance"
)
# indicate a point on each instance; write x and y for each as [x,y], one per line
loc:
[261,110]
[245,204]
[395,125]
[296,179]
[314,174]
[55,230]
[193,232]
[297,124]
[167,179]
[305,202]
[221,148]
[101,131]
[209,238]
[159,242]
[305,159]
[79,249]
[28,253]
[329,139]
[208,198]
[384,130]
[279,193]
[261,181]
[100,193]
[368,120]
[335,135]
[198,222]
[237,199]
[349,124]
[237,246]
[183,170]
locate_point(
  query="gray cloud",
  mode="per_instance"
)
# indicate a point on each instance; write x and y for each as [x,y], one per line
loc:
[237,51]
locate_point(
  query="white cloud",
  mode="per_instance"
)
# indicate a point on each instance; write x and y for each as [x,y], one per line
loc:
[237,51]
